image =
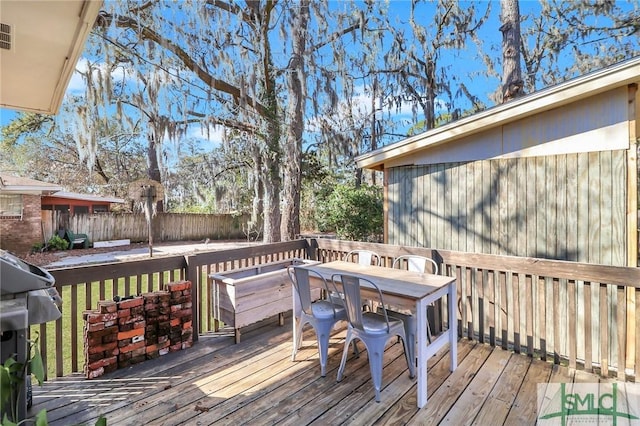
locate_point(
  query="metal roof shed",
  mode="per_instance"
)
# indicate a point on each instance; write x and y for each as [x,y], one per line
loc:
[551,175]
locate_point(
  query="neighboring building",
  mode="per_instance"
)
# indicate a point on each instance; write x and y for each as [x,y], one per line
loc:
[553,175]
[26,205]
[20,211]
[73,203]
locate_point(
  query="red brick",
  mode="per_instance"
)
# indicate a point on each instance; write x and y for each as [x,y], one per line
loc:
[187,324]
[140,351]
[107,306]
[130,303]
[178,286]
[103,363]
[175,322]
[132,347]
[94,327]
[129,334]
[95,373]
[151,297]
[94,357]
[156,347]
[181,313]
[124,313]
[93,317]
[110,316]
[94,341]
[103,348]
[101,331]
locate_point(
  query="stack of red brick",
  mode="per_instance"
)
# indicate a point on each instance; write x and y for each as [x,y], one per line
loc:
[130,331]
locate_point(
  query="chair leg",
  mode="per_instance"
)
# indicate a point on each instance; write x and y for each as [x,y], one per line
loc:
[375,352]
[410,356]
[297,342]
[345,353]
[323,333]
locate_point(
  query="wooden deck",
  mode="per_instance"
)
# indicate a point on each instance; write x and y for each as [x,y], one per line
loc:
[255,382]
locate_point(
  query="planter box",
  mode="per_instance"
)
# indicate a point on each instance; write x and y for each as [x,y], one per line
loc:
[245,296]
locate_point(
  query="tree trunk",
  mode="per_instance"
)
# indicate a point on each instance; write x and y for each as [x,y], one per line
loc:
[512,84]
[154,166]
[272,152]
[293,143]
[257,207]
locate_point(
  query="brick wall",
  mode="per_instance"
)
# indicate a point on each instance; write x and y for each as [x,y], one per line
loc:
[19,235]
[119,334]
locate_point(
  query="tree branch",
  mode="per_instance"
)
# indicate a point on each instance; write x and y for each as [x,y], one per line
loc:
[104,20]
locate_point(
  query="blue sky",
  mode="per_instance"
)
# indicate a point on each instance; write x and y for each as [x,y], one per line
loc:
[462,63]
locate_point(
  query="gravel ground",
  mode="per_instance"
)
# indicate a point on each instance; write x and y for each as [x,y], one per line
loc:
[48,257]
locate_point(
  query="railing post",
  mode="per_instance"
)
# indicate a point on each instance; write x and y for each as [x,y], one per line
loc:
[192,276]
[312,248]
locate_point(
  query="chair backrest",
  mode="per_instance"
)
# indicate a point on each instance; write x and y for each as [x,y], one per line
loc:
[353,300]
[415,263]
[300,279]
[363,257]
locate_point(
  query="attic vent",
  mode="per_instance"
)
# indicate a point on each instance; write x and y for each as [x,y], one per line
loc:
[5,36]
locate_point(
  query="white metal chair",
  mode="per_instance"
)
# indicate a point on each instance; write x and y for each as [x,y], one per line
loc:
[414,263]
[373,329]
[320,314]
[363,257]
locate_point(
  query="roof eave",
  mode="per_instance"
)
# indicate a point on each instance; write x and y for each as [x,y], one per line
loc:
[625,73]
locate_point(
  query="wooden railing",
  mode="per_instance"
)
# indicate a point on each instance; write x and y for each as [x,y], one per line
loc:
[579,314]
[61,342]
[567,312]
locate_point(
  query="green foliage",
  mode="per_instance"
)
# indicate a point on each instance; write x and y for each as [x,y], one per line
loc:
[12,379]
[353,213]
[57,243]
[12,375]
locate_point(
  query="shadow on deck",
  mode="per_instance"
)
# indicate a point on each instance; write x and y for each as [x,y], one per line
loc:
[255,382]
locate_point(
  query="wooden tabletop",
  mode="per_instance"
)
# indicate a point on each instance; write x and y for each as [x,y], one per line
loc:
[398,282]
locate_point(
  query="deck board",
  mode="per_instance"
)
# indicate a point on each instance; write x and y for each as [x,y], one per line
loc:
[255,382]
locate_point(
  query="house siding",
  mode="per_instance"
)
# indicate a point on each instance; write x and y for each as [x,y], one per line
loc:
[18,235]
[567,207]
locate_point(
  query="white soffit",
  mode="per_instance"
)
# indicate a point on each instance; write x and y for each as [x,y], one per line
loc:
[570,91]
[40,43]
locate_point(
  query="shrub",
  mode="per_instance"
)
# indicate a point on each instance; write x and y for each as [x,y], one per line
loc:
[57,243]
[354,213]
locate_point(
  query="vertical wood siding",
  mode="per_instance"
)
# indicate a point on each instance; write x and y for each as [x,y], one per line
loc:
[567,207]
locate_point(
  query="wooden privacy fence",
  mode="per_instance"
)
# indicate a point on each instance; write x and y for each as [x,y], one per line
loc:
[133,226]
[570,312]
[574,313]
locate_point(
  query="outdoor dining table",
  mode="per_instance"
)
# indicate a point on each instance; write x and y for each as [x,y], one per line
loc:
[407,290]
